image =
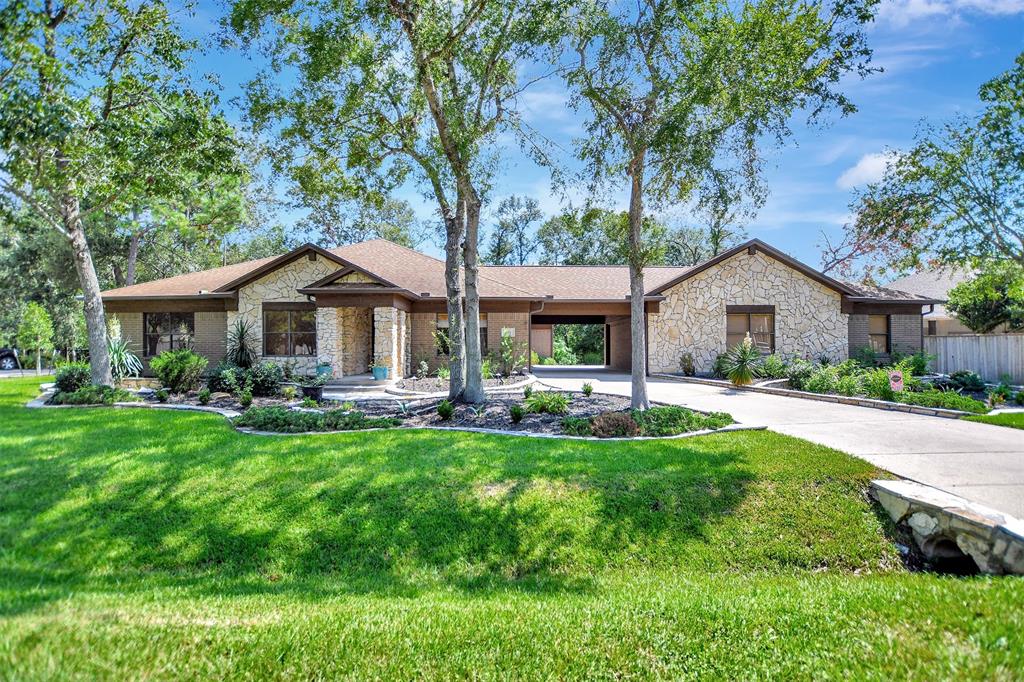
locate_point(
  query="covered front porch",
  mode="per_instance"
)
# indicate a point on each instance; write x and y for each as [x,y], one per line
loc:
[352,339]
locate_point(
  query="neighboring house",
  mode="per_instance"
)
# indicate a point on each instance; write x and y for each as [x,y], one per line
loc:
[937,321]
[378,302]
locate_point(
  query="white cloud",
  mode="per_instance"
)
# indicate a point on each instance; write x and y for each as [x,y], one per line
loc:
[905,12]
[870,168]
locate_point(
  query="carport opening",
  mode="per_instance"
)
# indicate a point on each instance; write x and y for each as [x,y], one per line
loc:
[578,344]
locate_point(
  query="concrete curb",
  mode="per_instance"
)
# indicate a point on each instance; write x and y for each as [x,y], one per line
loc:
[824,397]
[40,403]
[444,394]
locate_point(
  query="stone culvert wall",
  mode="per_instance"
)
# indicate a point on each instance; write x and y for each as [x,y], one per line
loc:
[809,321]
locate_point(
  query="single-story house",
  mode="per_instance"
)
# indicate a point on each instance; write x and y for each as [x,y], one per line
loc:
[936,284]
[380,303]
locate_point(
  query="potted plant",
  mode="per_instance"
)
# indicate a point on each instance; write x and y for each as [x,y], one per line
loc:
[325,368]
[313,386]
[380,372]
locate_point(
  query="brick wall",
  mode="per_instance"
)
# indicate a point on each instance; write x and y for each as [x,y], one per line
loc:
[210,339]
[520,322]
[621,337]
[904,333]
[422,343]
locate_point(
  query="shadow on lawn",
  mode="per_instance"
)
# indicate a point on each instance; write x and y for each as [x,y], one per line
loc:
[104,500]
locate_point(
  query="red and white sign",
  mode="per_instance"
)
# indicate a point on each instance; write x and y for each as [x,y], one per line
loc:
[896,381]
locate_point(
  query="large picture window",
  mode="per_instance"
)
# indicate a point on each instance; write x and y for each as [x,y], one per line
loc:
[289,330]
[167,331]
[758,321]
[878,333]
[441,335]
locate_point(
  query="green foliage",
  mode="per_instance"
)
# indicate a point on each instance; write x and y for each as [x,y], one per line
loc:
[516,413]
[445,410]
[204,396]
[551,402]
[669,420]
[849,385]
[966,380]
[866,356]
[949,400]
[718,367]
[245,398]
[280,420]
[265,378]
[588,388]
[123,361]
[686,365]
[614,425]
[309,403]
[1014,420]
[422,370]
[823,380]
[178,370]
[877,385]
[798,372]
[576,426]
[742,362]
[993,298]
[487,367]
[71,376]
[511,355]
[226,378]
[444,373]
[288,392]
[511,240]
[563,354]
[241,344]
[36,329]
[527,390]
[772,367]
[917,363]
[161,395]
[93,395]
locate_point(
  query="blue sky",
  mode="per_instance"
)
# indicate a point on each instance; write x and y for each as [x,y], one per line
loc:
[935,54]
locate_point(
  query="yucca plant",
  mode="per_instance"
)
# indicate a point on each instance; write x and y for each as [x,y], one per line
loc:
[123,362]
[241,347]
[741,362]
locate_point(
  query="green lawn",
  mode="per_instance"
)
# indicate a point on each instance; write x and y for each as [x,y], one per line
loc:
[157,544]
[1012,419]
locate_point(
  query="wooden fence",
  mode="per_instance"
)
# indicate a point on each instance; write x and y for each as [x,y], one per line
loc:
[992,356]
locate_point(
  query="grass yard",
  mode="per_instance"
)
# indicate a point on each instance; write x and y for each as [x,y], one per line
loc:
[158,544]
[1012,419]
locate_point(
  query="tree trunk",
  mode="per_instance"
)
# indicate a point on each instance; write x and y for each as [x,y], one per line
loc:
[453,290]
[95,321]
[637,314]
[474,392]
[133,258]
[39,357]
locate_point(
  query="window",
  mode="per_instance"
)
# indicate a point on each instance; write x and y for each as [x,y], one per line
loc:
[289,330]
[878,333]
[758,321]
[167,331]
[441,336]
[933,327]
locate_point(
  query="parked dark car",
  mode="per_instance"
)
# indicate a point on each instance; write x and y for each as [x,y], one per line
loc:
[8,358]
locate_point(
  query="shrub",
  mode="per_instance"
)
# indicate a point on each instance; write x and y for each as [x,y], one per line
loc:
[93,395]
[772,367]
[865,356]
[823,380]
[742,362]
[686,365]
[422,370]
[614,425]
[950,400]
[123,362]
[966,380]
[527,391]
[289,392]
[161,395]
[798,372]
[178,370]
[516,413]
[280,420]
[241,346]
[576,426]
[588,389]
[551,402]
[445,410]
[669,420]
[876,384]
[994,400]
[265,378]
[718,368]
[226,378]
[487,368]
[1019,398]
[245,397]
[345,420]
[72,376]
[849,385]
[848,368]
[309,403]
[204,396]
[444,373]
[916,363]
[1003,390]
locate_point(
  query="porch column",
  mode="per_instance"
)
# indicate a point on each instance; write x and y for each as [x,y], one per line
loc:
[390,340]
[329,339]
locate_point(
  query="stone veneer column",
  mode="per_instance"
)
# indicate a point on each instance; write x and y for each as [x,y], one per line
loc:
[329,339]
[387,339]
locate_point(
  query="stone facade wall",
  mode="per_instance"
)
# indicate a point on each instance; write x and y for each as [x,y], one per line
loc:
[904,333]
[281,286]
[357,277]
[809,321]
[391,342]
[329,347]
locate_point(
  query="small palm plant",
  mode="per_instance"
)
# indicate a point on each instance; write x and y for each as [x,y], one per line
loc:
[741,363]
[241,348]
[123,362]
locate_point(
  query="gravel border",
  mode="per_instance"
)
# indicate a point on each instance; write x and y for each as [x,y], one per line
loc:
[394,390]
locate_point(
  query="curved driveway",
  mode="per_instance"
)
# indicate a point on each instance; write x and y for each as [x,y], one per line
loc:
[981,462]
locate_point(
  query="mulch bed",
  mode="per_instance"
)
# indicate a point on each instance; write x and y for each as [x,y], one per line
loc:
[435,385]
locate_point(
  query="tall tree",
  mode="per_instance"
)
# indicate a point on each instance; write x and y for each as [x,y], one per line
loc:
[957,196]
[594,236]
[336,221]
[678,92]
[511,241]
[96,113]
[993,298]
[385,88]
[35,332]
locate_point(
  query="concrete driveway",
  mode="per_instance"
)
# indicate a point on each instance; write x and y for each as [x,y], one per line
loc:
[981,462]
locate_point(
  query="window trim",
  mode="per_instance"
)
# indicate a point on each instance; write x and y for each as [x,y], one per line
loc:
[888,334]
[146,334]
[749,310]
[289,343]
